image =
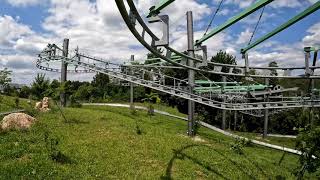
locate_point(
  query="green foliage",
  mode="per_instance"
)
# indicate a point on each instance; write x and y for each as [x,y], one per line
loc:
[288,121]
[83,92]
[17,102]
[198,119]
[150,110]
[308,142]
[273,81]
[224,58]
[74,102]
[25,92]
[152,98]
[5,77]
[40,86]
[134,111]
[238,145]
[100,81]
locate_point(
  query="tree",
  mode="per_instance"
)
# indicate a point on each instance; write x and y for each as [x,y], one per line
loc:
[84,92]
[223,58]
[273,81]
[40,86]
[25,92]
[5,78]
[100,81]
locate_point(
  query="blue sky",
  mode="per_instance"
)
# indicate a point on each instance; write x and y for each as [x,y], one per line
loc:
[26,26]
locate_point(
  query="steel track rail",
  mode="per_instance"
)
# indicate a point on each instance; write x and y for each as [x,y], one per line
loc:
[252,104]
[47,56]
[196,98]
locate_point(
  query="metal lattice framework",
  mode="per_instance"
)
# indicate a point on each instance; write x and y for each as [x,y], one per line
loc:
[134,22]
[254,99]
[178,88]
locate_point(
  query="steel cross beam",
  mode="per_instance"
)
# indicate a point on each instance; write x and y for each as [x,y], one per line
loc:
[292,21]
[234,19]
[155,10]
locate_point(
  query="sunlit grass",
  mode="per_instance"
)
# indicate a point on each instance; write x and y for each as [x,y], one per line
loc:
[104,143]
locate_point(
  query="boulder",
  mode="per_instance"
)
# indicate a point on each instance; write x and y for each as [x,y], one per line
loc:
[43,105]
[45,102]
[17,121]
[38,105]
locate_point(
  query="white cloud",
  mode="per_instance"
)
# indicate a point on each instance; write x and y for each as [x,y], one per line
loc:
[313,38]
[286,4]
[11,30]
[240,3]
[98,29]
[24,3]
[275,4]
[244,37]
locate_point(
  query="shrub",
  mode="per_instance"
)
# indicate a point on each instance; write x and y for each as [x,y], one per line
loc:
[150,110]
[17,102]
[308,142]
[74,102]
[238,145]
[197,125]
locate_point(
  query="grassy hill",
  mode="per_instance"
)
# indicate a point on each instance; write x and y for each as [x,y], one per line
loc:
[112,143]
[9,103]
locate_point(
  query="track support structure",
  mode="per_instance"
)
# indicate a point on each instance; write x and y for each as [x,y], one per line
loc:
[64,69]
[191,80]
[224,112]
[266,114]
[131,88]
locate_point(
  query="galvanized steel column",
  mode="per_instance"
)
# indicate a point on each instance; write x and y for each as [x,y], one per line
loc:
[131,86]
[223,126]
[235,121]
[190,73]
[266,113]
[64,68]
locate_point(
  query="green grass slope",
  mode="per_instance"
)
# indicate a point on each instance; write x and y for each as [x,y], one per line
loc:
[8,103]
[112,143]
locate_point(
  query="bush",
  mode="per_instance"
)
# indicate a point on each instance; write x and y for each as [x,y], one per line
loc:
[73,102]
[238,145]
[197,125]
[308,142]
[17,102]
[150,110]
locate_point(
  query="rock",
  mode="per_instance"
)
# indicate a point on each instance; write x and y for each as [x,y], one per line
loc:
[45,102]
[38,105]
[17,121]
[43,105]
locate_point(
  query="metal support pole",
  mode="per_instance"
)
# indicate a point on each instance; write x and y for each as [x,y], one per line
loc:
[235,121]
[229,127]
[64,68]
[312,99]
[223,126]
[246,62]
[307,70]
[191,104]
[266,113]
[131,86]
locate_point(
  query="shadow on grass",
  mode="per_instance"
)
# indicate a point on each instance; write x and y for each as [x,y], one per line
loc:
[179,154]
[75,121]
[61,158]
